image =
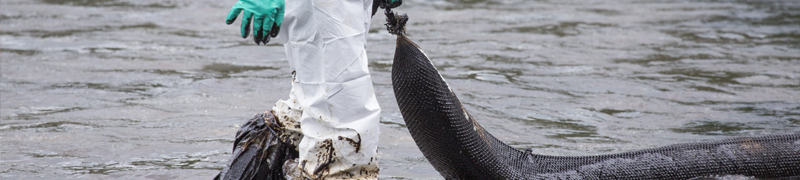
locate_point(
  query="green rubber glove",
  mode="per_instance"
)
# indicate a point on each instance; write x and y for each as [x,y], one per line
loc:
[267,16]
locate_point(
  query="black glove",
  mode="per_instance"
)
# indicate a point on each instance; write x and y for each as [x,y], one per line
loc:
[385,4]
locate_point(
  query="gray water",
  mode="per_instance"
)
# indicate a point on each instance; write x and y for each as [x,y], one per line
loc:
[150,89]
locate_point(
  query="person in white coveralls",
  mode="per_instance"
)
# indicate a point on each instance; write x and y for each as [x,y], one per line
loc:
[332,108]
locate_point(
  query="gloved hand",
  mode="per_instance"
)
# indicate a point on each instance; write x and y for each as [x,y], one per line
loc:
[268,16]
[391,3]
[383,4]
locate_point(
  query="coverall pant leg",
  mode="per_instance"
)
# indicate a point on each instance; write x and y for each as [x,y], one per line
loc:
[325,42]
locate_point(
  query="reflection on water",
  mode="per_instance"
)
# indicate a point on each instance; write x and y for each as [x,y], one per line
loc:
[108,3]
[714,128]
[151,89]
[562,29]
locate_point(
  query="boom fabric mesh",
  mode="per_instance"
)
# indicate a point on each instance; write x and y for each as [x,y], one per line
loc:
[459,148]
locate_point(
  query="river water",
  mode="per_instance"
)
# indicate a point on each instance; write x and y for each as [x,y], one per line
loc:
[151,89]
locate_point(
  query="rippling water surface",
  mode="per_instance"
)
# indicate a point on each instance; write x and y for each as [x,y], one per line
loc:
[146,89]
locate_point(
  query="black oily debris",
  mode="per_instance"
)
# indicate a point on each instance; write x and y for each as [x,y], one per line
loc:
[395,23]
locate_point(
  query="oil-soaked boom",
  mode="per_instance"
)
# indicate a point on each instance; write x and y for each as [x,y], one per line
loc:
[459,148]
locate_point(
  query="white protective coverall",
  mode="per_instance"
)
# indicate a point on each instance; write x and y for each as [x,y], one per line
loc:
[332,92]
